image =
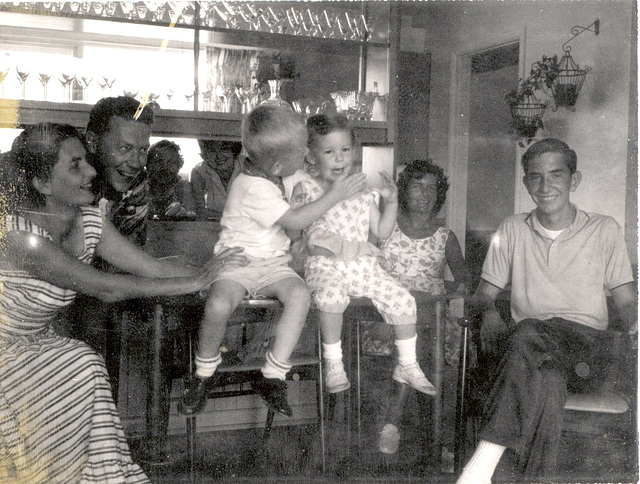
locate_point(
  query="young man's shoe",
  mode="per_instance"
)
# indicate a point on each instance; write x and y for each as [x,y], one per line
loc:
[274,393]
[335,378]
[194,397]
[389,441]
[413,376]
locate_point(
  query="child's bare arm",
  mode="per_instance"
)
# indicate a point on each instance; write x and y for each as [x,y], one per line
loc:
[300,218]
[381,224]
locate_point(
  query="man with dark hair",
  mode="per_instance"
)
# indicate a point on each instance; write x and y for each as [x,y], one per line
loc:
[210,179]
[118,140]
[118,137]
[561,263]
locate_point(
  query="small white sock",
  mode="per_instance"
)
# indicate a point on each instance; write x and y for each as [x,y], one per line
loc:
[482,464]
[332,351]
[206,367]
[274,368]
[407,350]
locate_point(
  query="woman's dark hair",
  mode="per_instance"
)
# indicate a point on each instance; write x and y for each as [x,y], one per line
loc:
[324,124]
[417,170]
[550,145]
[33,155]
[163,151]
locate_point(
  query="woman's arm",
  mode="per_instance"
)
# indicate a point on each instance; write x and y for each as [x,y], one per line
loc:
[47,261]
[457,264]
[119,252]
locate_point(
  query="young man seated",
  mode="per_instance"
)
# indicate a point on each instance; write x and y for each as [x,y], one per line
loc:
[560,262]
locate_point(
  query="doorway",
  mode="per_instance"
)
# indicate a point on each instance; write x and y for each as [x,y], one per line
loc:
[491,163]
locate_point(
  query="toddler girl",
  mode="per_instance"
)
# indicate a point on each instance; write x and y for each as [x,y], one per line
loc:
[340,261]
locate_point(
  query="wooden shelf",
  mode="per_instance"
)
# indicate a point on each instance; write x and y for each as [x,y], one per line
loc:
[169,122]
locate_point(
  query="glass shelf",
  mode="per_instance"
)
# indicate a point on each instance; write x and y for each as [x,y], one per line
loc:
[168,122]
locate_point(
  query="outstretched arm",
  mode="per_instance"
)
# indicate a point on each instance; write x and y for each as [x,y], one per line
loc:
[301,217]
[48,262]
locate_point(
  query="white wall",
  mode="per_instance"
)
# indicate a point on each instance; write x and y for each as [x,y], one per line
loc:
[599,127]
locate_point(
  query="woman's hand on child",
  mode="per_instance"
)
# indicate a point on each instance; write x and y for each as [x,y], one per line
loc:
[229,256]
[388,189]
[349,186]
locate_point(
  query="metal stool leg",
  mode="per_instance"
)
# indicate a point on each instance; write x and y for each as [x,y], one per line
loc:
[191,442]
[320,397]
[460,410]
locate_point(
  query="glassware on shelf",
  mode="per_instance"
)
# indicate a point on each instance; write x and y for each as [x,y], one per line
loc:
[355,105]
[274,97]
[67,75]
[246,95]
[5,67]
[226,96]
[23,69]
[85,79]
[44,75]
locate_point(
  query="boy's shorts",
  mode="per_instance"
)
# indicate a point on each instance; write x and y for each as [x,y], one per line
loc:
[259,273]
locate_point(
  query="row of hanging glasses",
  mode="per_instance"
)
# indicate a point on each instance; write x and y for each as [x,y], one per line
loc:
[61,79]
[231,85]
[310,19]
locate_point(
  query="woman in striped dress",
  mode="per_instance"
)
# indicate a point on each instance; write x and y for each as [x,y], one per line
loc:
[58,421]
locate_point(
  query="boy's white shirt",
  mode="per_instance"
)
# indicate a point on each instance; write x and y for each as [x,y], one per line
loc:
[254,205]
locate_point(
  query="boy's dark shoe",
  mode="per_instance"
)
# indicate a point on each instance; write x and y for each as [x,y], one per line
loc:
[194,397]
[274,393]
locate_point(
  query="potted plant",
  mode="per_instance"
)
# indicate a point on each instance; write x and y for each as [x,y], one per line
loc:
[526,109]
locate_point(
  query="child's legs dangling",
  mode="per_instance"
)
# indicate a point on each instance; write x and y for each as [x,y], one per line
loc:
[327,284]
[398,308]
[223,300]
[294,296]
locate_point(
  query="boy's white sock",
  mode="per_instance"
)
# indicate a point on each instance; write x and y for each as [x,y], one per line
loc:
[482,464]
[206,367]
[332,351]
[275,368]
[407,350]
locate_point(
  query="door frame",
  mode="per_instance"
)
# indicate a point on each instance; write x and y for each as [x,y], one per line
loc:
[458,152]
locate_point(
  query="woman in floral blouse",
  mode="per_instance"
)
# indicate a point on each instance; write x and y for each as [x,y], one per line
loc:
[417,253]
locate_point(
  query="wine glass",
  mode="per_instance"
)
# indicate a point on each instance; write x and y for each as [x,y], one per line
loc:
[245,94]
[44,74]
[85,79]
[4,72]
[23,69]
[66,76]
[109,80]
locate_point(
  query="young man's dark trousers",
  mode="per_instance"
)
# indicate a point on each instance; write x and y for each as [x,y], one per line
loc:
[525,405]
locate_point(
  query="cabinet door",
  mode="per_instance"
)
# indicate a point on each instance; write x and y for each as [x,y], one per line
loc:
[414,72]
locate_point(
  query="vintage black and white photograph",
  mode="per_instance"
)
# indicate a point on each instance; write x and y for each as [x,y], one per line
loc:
[319,242]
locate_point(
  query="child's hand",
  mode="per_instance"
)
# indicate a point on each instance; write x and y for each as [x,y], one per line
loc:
[349,186]
[388,189]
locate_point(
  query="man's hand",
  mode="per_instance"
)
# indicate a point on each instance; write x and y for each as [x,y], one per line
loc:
[491,331]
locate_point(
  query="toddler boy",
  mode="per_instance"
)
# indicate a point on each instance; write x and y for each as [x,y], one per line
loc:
[255,218]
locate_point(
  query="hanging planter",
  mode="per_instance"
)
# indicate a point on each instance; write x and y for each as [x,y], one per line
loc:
[568,82]
[526,109]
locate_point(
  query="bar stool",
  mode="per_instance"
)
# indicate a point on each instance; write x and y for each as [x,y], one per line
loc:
[304,366]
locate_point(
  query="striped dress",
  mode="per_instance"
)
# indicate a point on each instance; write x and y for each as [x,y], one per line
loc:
[58,421]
